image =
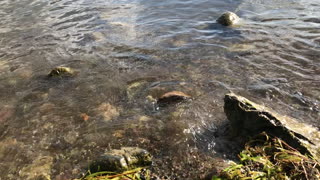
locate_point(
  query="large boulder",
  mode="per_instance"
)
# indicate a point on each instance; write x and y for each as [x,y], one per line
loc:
[248,118]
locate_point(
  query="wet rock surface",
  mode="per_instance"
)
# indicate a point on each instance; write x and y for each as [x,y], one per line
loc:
[248,118]
[228,19]
[61,71]
[118,160]
[153,94]
[172,97]
[56,116]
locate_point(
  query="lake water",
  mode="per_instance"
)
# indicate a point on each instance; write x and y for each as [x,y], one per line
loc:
[126,50]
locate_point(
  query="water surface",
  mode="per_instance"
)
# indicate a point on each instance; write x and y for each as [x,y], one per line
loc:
[55,127]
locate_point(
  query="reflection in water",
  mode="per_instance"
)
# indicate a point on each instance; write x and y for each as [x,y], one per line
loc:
[128,50]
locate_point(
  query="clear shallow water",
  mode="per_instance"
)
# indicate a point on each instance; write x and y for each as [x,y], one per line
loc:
[60,125]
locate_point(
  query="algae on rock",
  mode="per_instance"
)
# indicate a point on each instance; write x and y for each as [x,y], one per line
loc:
[123,159]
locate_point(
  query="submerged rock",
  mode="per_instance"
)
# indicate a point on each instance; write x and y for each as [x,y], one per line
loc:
[241,47]
[228,19]
[172,97]
[123,159]
[248,118]
[137,86]
[107,111]
[265,90]
[61,72]
[6,112]
[39,169]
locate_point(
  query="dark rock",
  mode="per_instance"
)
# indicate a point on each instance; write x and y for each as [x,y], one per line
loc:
[228,19]
[123,159]
[172,97]
[248,118]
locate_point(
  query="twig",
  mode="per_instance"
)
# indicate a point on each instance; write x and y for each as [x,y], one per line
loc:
[304,169]
[315,165]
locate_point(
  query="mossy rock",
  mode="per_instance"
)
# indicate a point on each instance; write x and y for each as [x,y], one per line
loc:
[61,72]
[248,119]
[228,19]
[119,160]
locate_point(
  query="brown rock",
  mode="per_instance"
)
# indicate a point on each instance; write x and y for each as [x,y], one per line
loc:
[5,113]
[84,116]
[107,111]
[172,97]
[46,107]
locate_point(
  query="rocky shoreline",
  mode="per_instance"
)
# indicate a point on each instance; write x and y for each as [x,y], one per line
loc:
[162,102]
[295,142]
[246,120]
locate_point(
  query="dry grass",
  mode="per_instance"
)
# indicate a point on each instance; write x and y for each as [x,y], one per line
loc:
[135,174]
[266,157]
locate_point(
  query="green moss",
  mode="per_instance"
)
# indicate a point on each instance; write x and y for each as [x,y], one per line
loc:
[266,157]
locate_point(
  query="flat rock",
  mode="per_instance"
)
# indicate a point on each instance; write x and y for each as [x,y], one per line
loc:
[123,159]
[172,97]
[248,118]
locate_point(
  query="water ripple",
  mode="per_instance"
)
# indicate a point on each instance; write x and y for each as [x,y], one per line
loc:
[272,57]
